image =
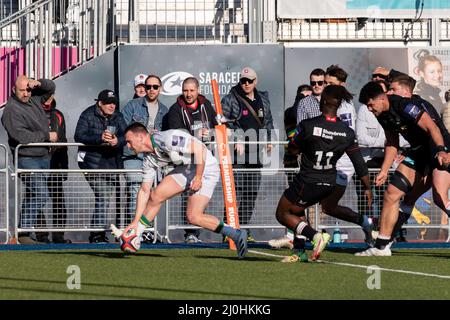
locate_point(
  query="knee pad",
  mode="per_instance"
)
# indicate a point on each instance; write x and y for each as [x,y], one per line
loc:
[399,181]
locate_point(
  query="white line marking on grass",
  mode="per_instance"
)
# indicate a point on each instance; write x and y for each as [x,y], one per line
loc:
[266,254]
[361,266]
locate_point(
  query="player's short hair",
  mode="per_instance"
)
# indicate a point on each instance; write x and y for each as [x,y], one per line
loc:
[371,90]
[317,72]
[191,80]
[335,71]
[405,81]
[333,95]
[136,127]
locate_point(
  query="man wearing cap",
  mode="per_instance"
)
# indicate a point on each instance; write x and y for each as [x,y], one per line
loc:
[249,113]
[101,128]
[150,112]
[139,86]
[25,122]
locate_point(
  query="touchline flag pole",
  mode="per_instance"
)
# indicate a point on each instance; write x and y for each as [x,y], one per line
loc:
[226,166]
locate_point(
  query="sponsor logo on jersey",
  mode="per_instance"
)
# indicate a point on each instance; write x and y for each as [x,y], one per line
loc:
[327,134]
[346,118]
[317,132]
[412,110]
[178,141]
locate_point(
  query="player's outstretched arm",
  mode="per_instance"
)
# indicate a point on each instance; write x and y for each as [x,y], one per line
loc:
[427,124]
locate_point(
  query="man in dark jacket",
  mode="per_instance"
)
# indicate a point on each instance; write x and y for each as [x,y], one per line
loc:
[101,128]
[249,113]
[25,122]
[195,114]
[58,160]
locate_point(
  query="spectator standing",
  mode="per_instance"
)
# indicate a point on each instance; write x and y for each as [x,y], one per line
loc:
[195,114]
[139,86]
[309,107]
[26,122]
[103,150]
[380,74]
[290,123]
[248,109]
[151,113]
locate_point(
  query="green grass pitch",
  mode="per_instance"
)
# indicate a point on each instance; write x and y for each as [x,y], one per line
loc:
[217,274]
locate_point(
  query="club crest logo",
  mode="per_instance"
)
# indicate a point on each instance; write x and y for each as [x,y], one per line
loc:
[172,82]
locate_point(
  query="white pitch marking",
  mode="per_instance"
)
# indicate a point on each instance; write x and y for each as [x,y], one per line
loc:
[361,266]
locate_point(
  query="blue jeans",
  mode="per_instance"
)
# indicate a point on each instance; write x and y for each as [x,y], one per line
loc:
[104,188]
[35,193]
[134,181]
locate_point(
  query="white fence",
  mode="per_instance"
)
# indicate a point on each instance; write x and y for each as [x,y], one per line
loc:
[67,201]
[4,199]
[70,200]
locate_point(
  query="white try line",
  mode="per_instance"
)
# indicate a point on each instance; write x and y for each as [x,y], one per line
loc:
[360,266]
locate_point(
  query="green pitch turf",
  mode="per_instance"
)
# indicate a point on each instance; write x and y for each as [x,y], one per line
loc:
[218,274]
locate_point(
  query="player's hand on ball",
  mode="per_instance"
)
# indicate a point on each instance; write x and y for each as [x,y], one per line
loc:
[196,184]
[133,225]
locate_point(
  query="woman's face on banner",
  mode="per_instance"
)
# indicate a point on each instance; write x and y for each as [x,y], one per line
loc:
[432,73]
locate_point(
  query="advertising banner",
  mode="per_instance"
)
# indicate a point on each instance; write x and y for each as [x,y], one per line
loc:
[385,9]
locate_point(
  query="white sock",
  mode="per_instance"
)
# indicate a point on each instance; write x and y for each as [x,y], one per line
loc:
[140,229]
[300,228]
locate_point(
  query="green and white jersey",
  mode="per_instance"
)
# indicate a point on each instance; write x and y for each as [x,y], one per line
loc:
[171,147]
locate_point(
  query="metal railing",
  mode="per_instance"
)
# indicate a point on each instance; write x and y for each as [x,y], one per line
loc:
[4,188]
[265,186]
[50,37]
[353,30]
[74,191]
[188,21]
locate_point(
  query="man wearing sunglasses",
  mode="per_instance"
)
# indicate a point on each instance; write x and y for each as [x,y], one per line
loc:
[309,107]
[151,113]
[380,73]
[249,112]
[26,122]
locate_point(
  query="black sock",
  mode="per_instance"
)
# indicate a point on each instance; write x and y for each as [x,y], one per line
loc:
[305,230]
[381,243]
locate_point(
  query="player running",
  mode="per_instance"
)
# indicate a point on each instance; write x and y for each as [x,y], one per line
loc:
[196,170]
[321,141]
[419,125]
